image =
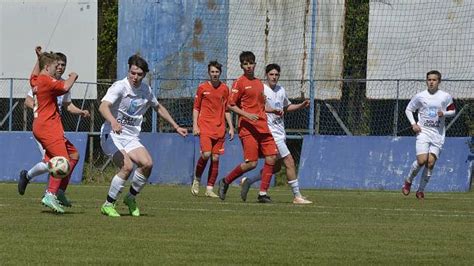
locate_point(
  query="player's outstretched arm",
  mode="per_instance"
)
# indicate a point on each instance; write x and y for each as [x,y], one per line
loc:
[69,82]
[36,68]
[73,109]
[163,112]
[295,107]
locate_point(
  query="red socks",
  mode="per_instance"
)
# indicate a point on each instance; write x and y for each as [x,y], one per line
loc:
[236,173]
[213,172]
[200,165]
[267,173]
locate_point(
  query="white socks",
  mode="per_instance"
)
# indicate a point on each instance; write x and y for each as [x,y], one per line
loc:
[116,187]
[415,168]
[138,181]
[295,187]
[425,178]
[39,169]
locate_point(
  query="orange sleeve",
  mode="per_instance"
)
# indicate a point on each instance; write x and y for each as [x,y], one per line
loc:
[198,99]
[235,93]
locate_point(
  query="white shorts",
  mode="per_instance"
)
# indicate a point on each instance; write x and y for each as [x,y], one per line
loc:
[283,150]
[112,143]
[425,145]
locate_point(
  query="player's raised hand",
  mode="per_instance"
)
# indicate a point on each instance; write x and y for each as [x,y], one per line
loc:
[74,75]
[38,51]
[182,131]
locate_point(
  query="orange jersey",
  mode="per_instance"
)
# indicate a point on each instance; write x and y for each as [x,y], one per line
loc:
[248,95]
[211,103]
[47,120]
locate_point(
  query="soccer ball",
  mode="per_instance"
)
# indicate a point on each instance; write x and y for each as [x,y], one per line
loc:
[59,167]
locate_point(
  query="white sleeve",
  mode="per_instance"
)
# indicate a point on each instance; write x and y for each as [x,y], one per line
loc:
[67,97]
[286,101]
[449,102]
[414,104]
[30,93]
[151,98]
[410,116]
[113,93]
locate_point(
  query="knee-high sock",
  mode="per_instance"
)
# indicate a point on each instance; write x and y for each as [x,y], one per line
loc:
[65,181]
[39,169]
[425,178]
[233,175]
[213,172]
[53,184]
[415,168]
[295,187]
[267,173]
[115,189]
[138,182]
[200,165]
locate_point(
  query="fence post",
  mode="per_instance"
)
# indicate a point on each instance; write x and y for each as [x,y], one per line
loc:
[10,118]
[395,111]
[311,66]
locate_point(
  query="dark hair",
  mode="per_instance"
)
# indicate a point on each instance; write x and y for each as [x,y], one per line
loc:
[61,57]
[139,62]
[434,72]
[47,58]
[247,56]
[214,64]
[270,67]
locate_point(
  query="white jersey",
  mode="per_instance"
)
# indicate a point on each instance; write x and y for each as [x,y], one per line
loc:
[428,106]
[276,99]
[65,98]
[128,106]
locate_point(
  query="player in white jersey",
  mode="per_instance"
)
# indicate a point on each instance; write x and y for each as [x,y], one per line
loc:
[433,106]
[123,107]
[65,101]
[277,103]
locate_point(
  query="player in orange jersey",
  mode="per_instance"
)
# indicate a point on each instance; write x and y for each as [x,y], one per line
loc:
[247,99]
[47,125]
[209,116]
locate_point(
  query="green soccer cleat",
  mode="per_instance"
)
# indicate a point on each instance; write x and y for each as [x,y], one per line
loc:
[109,210]
[49,200]
[63,200]
[132,206]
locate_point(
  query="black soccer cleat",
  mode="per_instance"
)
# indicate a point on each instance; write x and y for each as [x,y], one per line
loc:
[264,199]
[23,182]
[223,187]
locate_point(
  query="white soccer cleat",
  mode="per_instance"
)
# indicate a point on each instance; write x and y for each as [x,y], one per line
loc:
[195,187]
[301,200]
[210,194]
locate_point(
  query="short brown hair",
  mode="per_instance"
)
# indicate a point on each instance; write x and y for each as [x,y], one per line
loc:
[47,58]
[138,61]
[214,64]
[434,72]
[247,56]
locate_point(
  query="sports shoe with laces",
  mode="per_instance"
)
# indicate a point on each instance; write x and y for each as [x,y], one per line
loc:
[132,206]
[420,195]
[23,182]
[264,199]
[245,187]
[406,188]
[195,187]
[109,210]
[211,194]
[49,200]
[301,200]
[223,187]
[63,200]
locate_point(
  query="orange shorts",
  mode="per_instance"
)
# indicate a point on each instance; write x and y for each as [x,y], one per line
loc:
[258,146]
[213,145]
[58,148]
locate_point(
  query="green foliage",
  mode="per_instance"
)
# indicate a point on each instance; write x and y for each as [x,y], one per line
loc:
[107,40]
[341,228]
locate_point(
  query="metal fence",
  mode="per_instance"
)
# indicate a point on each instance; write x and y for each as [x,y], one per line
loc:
[353,113]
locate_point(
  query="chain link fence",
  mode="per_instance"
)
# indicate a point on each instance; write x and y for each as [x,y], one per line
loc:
[351,114]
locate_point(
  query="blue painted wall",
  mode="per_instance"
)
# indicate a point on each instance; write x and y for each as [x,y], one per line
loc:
[19,151]
[178,36]
[380,163]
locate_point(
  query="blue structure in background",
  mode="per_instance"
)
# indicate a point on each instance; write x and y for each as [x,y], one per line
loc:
[379,163]
[20,151]
[173,36]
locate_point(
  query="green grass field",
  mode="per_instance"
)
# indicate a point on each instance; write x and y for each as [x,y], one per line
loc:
[342,227]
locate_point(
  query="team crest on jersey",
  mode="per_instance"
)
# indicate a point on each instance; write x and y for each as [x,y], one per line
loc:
[133,107]
[248,87]
[432,111]
[235,90]
[206,93]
